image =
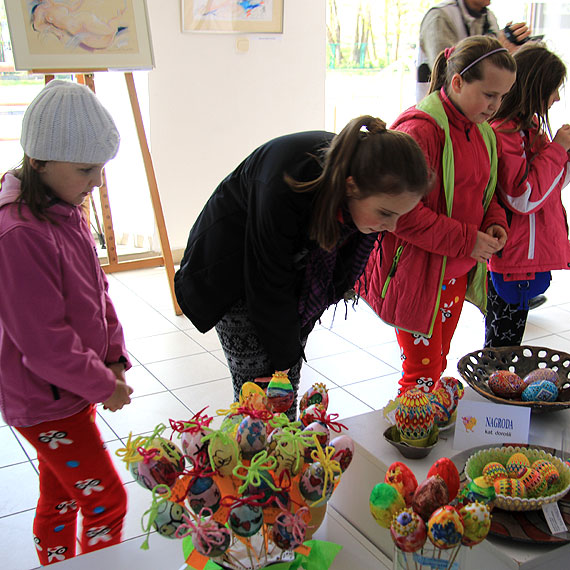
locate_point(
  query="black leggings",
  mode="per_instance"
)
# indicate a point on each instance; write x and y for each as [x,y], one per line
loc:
[505,322]
[246,355]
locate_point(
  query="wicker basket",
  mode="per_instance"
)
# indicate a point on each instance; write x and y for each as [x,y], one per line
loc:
[476,367]
[476,462]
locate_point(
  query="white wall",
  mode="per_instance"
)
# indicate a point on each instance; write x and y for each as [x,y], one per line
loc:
[210,106]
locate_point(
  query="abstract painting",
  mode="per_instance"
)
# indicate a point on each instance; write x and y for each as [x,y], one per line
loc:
[79,35]
[255,16]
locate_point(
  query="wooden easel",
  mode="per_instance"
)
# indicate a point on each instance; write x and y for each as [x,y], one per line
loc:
[113,264]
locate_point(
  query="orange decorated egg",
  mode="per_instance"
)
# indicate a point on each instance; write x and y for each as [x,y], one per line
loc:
[506,384]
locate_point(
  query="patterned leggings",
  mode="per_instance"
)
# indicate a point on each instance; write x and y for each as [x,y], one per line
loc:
[505,322]
[76,472]
[246,355]
[423,358]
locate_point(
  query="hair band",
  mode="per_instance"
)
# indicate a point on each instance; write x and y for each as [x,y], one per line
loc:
[481,58]
[448,51]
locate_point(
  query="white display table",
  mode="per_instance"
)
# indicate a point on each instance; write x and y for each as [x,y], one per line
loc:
[372,457]
[164,554]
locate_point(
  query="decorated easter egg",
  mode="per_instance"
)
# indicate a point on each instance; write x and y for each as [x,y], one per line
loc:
[515,462]
[542,374]
[312,485]
[251,436]
[284,536]
[446,469]
[162,464]
[453,387]
[441,403]
[505,384]
[400,476]
[533,481]
[168,518]
[385,502]
[414,417]
[289,456]
[252,394]
[280,393]
[547,470]
[323,436]
[316,394]
[204,493]
[191,443]
[224,454]
[493,471]
[476,519]
[245,519]
[344,450]
[213,542]
[444,528]
[479,490]
[540,391]
[431,494]
[312,414]
[510,488]
[264,488]
[408,531]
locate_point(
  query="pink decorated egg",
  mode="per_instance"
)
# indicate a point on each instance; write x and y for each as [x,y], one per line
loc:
[542,374]
[506,384]
[408,531]
[400,476]
[344,450]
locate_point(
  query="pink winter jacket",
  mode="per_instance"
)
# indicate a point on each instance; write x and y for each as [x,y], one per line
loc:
[530,182]
[403,278]
[58,327]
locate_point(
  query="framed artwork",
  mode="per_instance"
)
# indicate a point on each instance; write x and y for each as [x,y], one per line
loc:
[79,35]
[254,16]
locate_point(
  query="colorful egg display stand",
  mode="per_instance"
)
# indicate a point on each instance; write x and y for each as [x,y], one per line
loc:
[251,493]
[432,529]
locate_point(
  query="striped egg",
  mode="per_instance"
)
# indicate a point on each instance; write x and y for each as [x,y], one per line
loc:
[533,482]
[510,488]
[547,470]
[515,462]
[493,471]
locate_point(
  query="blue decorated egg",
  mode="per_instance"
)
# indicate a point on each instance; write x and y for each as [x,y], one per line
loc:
[344,450]
[204,493]
[312,485]
[245,520]
[169,518]
[251,436]
[541,391]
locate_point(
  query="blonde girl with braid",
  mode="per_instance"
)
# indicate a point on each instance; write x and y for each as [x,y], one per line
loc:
[287,234]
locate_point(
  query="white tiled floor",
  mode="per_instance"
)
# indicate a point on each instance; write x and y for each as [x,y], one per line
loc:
[177,371]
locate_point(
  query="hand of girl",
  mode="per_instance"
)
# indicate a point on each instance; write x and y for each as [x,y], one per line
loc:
[119,398]
[118,369]
[485,247]
[563,137]
[498,232]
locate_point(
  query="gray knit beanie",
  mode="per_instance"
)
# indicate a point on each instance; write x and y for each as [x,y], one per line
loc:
[67,123]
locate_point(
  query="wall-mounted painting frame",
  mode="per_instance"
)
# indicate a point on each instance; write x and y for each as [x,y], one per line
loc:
[244,16]
[80,35]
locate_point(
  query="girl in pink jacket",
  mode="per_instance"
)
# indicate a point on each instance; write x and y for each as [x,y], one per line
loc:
[437,253]
[61,345]
[533,170]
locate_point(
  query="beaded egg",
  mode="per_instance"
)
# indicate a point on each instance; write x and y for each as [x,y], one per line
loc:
[505,384]
[385,502]
[476,519]
[493,471]
[400,476]
[542,374]
[547,470]
[540,391]
[533,481]
[408,531]
[510,488]
[414,417]
[245,519]
[515,462]
[316,394]
[444,528]
[280,393]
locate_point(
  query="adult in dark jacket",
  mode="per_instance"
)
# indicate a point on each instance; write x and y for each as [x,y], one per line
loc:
[287,234]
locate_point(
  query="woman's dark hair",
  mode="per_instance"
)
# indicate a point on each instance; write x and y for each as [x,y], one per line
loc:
[539,73]
[380,161]
[33,192]
[467,51]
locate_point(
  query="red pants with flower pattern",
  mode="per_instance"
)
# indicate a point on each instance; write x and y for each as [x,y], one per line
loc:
[76,472]
[424,359]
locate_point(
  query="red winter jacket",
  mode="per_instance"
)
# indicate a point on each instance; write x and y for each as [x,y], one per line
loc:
[532,173]
[415,251]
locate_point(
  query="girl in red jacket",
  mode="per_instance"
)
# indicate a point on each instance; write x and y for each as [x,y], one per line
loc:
[533,169]
[61,345]
[419,279]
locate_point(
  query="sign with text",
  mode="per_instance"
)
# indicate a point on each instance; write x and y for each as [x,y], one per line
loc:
[481,423]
